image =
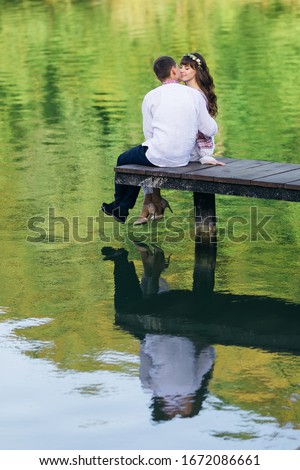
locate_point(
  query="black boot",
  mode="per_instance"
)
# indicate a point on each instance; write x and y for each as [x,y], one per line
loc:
[119,213]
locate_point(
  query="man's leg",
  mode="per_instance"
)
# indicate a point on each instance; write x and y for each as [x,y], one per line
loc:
[128,293]
[125,195]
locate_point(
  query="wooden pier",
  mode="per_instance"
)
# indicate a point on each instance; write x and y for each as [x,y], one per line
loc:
[246,178]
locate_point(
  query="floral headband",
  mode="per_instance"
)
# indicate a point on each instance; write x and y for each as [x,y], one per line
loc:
[195,58]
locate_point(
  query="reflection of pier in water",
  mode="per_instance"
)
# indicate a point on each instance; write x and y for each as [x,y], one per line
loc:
[221,318]
[177,328]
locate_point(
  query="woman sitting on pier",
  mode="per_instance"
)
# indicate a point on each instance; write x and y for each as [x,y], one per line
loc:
[195,73]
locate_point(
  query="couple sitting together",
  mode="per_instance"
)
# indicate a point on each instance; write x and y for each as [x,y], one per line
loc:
[179,127]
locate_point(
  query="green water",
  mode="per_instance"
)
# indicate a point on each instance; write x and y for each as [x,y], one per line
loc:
[72,78]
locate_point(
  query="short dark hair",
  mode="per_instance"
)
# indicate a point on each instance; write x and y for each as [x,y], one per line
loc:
[162,67]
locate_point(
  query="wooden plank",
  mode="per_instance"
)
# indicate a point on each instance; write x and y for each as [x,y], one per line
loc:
[279,170]
[279,179]
[181,172]
[155,171]
[193,166]
[171,172]
[229,173]
[248,173]
[270,180]
[235,171]
[247,163]
[217,187]
[293,185]
[245,174]
[235,165]
[167,171]
[134,169]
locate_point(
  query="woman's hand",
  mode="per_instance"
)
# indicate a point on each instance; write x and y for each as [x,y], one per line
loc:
[210,161]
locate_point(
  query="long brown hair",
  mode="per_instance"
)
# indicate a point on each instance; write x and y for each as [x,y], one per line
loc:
[203,78]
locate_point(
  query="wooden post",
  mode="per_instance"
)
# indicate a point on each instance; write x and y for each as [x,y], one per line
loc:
[204,268]
[205,217]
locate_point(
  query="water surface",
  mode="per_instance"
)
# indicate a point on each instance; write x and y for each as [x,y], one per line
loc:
[89,359]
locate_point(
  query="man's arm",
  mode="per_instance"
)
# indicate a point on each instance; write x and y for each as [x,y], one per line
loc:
[206,124]
[147,119]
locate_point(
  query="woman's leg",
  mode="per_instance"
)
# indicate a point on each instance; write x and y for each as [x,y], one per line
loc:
[148,209]
[156,196]
[160,203]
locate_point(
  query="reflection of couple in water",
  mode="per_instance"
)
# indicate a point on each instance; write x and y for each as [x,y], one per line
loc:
[176,368]
[177,326]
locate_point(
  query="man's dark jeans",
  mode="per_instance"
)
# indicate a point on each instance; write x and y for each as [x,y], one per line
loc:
[125,195]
